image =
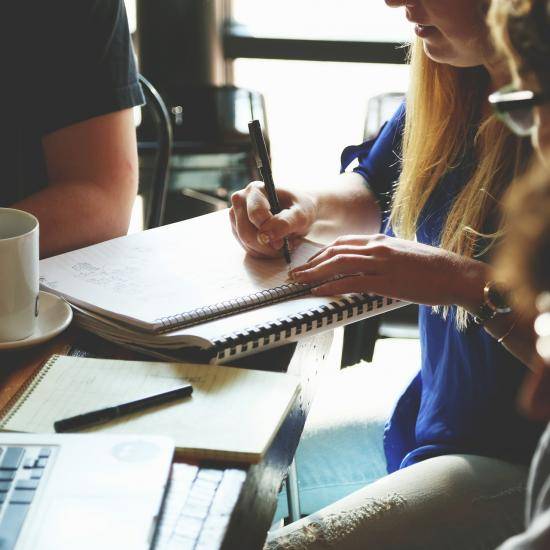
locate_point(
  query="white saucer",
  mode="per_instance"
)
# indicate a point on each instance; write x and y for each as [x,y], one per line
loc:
[55,316]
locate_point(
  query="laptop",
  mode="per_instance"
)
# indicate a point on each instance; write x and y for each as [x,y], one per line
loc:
[65,491]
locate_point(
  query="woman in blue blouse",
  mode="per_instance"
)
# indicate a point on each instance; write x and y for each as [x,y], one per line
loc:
[455,446]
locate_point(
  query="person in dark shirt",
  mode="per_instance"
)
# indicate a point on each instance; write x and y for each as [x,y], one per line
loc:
[68,152]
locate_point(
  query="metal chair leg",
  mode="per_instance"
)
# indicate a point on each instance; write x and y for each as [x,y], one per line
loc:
[292,494]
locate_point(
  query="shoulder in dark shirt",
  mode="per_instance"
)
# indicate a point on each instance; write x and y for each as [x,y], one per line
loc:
[69,61]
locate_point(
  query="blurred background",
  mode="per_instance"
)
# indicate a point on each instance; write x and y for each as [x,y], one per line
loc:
[306,68]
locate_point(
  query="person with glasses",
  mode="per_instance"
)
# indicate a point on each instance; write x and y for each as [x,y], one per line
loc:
[522,30]
[419,217]
[525,263]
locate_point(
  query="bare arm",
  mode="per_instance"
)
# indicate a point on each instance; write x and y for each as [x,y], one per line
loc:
[418,273]
[345,206]
[93,172]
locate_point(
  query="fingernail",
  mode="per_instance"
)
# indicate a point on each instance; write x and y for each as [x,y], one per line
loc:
[263,238]
[297,276]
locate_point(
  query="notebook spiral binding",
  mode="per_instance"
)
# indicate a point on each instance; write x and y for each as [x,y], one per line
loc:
[230,307]
[283,329]
[17,401]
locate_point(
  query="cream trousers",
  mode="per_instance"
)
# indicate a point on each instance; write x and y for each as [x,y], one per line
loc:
[454,502]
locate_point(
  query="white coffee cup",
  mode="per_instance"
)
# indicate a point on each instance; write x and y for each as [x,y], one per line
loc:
[18,274]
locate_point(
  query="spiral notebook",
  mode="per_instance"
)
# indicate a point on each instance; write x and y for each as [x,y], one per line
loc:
[190,286]
[233,413]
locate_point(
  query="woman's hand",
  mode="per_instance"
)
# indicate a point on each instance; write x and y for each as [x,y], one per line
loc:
[396,268]
[258,230]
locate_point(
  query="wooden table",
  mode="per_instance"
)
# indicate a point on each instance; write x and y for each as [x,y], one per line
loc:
[253,513]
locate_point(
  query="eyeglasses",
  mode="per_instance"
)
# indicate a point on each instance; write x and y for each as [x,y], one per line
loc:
[515,108]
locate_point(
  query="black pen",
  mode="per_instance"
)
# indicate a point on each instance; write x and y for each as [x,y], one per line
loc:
[264,167]
[99,416]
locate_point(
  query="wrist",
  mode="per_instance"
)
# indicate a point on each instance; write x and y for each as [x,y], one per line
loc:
[495,304]
[469,292]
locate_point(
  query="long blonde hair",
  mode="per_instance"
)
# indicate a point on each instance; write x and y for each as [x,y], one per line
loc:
[444,119]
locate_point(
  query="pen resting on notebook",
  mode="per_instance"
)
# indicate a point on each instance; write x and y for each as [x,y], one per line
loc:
[107,414]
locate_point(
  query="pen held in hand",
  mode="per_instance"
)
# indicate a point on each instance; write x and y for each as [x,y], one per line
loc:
[264,167]
[107,414]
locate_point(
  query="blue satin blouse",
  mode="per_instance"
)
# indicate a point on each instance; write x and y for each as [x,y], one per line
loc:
[463,400]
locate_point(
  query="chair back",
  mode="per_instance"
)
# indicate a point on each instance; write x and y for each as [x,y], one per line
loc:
[380,108]
[154,210]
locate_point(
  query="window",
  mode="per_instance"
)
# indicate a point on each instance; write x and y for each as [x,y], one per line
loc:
[314,109]
[131,12]
[369,20]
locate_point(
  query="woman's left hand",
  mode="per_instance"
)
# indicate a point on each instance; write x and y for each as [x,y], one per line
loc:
[396,268]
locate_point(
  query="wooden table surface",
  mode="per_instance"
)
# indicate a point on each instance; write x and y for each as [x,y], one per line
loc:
[252,515]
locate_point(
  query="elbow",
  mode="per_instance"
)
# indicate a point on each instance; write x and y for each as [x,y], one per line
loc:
[119,203]
[126,203]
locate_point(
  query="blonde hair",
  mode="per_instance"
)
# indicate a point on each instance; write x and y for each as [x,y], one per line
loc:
[444,120]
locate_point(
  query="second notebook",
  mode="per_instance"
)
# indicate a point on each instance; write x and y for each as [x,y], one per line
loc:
[233,413]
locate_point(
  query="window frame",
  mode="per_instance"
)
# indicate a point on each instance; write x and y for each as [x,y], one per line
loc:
[238,42]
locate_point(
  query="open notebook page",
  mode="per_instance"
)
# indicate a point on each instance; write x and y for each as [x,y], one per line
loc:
[165,272]
[233,413]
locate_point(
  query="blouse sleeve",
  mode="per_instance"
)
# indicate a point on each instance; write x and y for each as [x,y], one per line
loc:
[379,160]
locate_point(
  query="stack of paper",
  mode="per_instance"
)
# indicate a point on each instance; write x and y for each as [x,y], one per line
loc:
[191,285]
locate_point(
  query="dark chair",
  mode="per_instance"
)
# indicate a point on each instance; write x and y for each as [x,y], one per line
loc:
[360,338]
[399,323]
[155,190]
[345,440]
[380,108]
[212,154]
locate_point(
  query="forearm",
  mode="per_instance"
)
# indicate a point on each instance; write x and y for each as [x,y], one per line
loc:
[345,206]
[77,214]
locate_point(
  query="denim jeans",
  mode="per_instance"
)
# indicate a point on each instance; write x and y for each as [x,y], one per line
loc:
[454,502]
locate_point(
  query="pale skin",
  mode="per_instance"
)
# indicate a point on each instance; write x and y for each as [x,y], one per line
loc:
[371,262]
[92,171]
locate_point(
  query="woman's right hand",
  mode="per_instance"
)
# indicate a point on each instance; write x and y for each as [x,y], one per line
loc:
[260,232]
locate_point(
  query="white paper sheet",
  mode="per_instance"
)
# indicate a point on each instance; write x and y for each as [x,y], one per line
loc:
[165,272]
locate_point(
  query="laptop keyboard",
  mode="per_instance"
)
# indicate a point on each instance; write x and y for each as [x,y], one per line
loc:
[198,507]
[196,511]
[21,470]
